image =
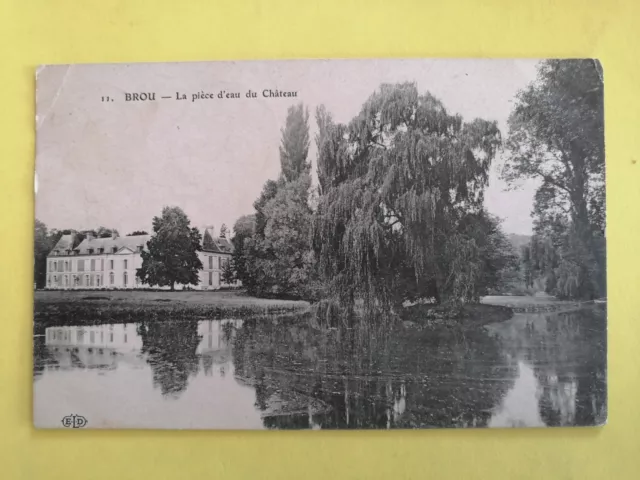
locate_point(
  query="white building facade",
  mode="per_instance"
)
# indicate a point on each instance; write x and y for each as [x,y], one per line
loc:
[111,263]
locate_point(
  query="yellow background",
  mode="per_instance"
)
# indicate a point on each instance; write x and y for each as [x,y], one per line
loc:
[33,32]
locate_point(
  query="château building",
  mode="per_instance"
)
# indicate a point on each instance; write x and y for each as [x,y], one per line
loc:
[95,263]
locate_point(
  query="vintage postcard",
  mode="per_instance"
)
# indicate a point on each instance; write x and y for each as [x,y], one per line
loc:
[339,244]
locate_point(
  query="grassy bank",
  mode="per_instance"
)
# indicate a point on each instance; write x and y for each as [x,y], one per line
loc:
[94,307]
[533,304]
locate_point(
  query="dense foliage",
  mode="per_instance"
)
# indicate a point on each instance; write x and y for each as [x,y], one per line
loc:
[272,250]
[556,135]
[400,216]
[171,256]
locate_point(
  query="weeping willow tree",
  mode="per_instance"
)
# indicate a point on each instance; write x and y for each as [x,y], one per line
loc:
[397,187]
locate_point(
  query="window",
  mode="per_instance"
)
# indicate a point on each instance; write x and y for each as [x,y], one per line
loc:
[125,338]
[66,266]
[81,265]
[111,337]
[66,280]
[55,279]
[49,280]
[210,264]
[55,266]
[114,249]
[97,280]
[218,278]
[125,279]
[86,280]
[91,250]
[93,264]
[125,264]
[92,337]
[76,281]
[219,262]
[102,264]
[139,248]
[210,277]
[110,264]
[111,278]
[101,250]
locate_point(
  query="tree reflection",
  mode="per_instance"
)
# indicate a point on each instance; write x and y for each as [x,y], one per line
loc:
[42,357]
[572,368]
[567,352]
[171,353]
[308,378]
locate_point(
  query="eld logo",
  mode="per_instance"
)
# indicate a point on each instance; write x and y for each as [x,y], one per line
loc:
[74,421]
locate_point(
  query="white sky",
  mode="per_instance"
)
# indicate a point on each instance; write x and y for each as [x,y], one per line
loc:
[117,164]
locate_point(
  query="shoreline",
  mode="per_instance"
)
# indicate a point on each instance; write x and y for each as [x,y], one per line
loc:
[84,308]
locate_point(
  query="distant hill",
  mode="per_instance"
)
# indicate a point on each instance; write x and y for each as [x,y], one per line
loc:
[518,240]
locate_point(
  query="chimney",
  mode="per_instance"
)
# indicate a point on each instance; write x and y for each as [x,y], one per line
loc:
[89,234]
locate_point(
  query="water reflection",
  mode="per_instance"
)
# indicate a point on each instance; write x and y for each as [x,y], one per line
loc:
[533,370]
[566,353]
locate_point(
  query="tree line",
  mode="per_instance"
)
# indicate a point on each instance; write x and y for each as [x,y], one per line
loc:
[398,213]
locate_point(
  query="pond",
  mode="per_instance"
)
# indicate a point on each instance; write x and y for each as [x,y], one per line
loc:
[532,370]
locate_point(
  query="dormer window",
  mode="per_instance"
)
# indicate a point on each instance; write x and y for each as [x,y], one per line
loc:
[91,250]
[114,249]
[101,250]
[139,248]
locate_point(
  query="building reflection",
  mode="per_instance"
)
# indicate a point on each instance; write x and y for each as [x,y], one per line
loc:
[97,346]
[175,351]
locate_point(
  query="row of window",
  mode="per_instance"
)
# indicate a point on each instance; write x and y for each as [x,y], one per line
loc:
[221,262]
[87,280]
[67,265]
[96,280]
[64,336]
[90,251]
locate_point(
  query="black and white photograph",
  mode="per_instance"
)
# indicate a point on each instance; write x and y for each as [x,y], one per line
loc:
[320,244]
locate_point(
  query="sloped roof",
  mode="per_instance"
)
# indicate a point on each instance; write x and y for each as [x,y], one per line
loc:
[65,243]
[132,243]
[223,244]
[215,244]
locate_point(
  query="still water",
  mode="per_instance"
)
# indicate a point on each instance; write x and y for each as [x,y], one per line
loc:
[533,370]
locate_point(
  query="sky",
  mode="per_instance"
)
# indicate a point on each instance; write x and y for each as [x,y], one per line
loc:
[117,163]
